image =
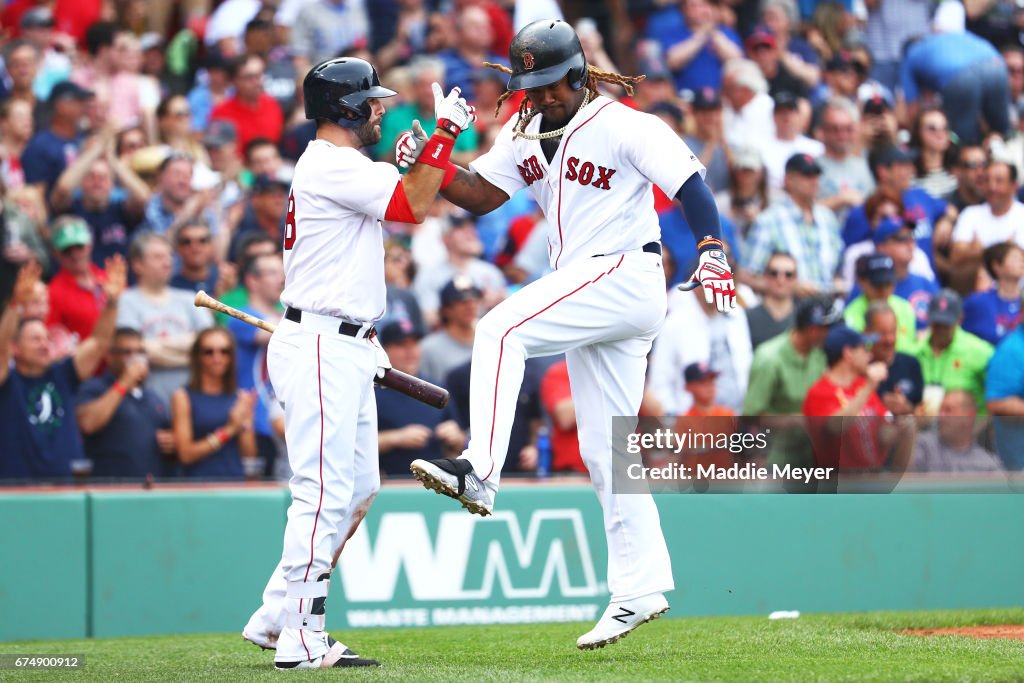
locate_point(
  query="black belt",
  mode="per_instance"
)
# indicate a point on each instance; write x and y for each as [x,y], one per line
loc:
[347,329]
[650,248]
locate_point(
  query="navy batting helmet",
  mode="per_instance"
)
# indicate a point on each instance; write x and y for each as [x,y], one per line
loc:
[339,86]
[544,52]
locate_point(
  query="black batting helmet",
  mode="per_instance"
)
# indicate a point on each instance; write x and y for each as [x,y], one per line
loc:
[544,52]
[342,85]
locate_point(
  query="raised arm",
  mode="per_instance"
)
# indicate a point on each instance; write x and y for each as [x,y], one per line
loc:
[90,352]
[24,285]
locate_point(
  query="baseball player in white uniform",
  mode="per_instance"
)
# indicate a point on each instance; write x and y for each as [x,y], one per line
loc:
[323,356]
[590,163]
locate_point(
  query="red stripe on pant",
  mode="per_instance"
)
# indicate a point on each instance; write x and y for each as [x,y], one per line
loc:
[316,519]
[501,352]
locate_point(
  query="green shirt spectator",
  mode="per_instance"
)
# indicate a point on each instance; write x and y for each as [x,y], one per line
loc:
[906,320]
[951,357]
[398,120]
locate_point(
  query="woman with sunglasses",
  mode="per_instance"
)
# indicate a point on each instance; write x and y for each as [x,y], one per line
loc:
[936,153]
[211,420]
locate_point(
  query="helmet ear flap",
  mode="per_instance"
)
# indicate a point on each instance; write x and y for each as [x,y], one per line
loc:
[578,77]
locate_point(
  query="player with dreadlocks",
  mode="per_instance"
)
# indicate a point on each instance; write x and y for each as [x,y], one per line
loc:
[590,163]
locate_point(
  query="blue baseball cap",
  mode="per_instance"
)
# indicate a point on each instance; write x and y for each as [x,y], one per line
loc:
[891,227]
[841,337]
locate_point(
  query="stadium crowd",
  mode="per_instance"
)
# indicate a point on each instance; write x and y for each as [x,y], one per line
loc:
[866,156]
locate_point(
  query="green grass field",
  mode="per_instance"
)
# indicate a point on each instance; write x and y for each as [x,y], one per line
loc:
[847,647]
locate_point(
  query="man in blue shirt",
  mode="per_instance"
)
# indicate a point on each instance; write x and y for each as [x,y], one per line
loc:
[995,313]
[1004,396]
[51,150]
[694,44]
[967,71]
[37,398]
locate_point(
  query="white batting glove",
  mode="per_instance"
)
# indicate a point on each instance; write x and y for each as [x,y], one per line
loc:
[383,362]
[452,112]
[409,145]
[715,276]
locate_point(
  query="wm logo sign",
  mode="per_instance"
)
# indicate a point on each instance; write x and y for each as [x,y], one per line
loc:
[471,558]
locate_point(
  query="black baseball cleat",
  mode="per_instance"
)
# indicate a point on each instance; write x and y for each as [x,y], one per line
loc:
[455,478]
[337,657]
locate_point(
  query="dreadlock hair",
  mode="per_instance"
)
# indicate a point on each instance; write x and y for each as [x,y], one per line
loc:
[594,76]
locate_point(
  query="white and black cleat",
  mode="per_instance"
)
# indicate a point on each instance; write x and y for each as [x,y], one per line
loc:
[621,618]
[455,478]
[337,657]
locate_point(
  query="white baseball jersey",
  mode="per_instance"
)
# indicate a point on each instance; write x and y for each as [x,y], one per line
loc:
[333,244]
[596,192]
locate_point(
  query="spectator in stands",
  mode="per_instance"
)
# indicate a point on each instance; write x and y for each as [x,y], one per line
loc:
[21,61]
[746,195]
[464,249]
[748,112]
[251,246]
[951,446]
[174,201]
[87,189]
[701,385]
[903,388]
[876,280]
[254,113]
[76,291]
[37,395]
[197,256]
[16,126]
[98,62]
[994,313]
[472,46]
[798,225]
[22,235]
[929,138]
[406,428]
[839,80]
[999,219]
[894,238]
[124,425]
[848,390]
[166,317]
[211,91]
[694,42]
[788,139]
[326,28]
[889,26]
[969,171]
[130,98]
[708,138]
[965,70]
[174,126]
[1004,395]
[51,149]
[782,370]
[776,312]
[845,177]
[264,212]
[878,124]
[763,48]
[279,79]
[951,358]
[398,275]
[424,71]
[263,279]
[263,158]
[1013,56]
[211,419]
[556,397]
[721,340]
[799,58]
[452,344]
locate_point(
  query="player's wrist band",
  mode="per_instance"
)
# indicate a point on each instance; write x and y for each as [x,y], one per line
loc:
[709,243]
[437,152]
[449,126]
[449,175]
[119,388]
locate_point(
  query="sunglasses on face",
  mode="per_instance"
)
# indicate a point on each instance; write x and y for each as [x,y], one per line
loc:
[972,165]
[775,272]
[218,350]
[934,128]
[189,241]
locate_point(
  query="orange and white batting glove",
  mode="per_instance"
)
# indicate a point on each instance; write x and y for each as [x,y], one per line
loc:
[714,275]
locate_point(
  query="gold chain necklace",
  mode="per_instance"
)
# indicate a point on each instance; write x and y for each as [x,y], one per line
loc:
[520,129]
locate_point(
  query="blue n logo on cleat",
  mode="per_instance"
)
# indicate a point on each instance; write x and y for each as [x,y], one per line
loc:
[621,618]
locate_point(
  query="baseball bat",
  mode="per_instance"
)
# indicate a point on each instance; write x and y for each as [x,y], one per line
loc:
[399,381]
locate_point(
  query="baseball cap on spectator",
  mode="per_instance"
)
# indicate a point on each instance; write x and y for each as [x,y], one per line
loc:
[669,109]
[71,231]
[747,157]
[695,372]
[945,308]
[892,227]
[762,36]
[151,41]
[706,98]
[876,103]
[220,133]
[66,89]
[786,100]
[891,154]
[817,310]
[461,288]
[485,73]
[457,219]
[264,183]
[878,269]
[842,337]
[804,164]
[397,331]
[37,17]
[841,61]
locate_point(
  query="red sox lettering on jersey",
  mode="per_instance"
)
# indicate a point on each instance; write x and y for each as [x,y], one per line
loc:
[586,174]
